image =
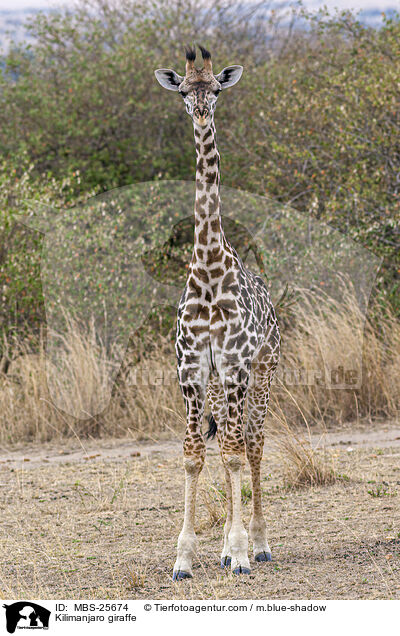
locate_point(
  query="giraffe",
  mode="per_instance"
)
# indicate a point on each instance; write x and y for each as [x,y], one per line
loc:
[227,338]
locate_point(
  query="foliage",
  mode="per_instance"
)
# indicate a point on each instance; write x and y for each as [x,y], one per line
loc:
[84,96]
[324,134]
[20,254]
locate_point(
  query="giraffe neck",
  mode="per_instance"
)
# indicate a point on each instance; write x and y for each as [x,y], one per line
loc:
[208,234]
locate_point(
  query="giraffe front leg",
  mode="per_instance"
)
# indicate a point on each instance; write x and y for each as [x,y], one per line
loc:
[234,458]
[187,541]
[194,454]
[226,555]
[254,434]
[237,536]
[258,527]
[217,401]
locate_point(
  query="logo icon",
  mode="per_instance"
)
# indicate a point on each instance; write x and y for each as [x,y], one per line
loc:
[26,615]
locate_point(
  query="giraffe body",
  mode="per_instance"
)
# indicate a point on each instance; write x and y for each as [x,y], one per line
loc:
[227,339]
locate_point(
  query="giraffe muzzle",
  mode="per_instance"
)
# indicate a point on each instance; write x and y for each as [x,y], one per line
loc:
[201,116]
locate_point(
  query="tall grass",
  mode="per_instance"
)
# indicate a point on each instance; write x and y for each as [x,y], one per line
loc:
[146,400]
[337,364]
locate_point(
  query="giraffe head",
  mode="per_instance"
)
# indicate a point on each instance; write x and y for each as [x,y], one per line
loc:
[200,87]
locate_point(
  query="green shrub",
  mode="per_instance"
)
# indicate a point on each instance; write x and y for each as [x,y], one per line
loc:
[21,298]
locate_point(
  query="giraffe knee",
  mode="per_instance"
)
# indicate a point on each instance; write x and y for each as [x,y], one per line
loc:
[193,465]
[194,452]
[234,462]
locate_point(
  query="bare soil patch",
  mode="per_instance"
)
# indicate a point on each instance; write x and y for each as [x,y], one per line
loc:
[101,520]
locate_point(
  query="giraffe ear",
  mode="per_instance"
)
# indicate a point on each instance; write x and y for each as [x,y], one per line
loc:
[168,78]
[229,76]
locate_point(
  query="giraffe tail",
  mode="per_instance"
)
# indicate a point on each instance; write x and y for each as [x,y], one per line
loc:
[212,427]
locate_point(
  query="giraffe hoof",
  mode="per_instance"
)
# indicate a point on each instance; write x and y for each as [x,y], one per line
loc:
[179,575]
[226,562]
[263,556]
[241,570]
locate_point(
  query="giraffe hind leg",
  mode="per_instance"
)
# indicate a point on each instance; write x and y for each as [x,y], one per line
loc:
[233,452]
[258,397]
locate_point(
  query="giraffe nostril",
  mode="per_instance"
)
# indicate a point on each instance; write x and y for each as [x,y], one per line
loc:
[201,112]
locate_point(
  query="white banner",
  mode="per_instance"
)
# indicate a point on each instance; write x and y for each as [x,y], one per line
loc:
[237,616]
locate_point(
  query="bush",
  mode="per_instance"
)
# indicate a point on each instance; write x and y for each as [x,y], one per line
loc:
[21,299]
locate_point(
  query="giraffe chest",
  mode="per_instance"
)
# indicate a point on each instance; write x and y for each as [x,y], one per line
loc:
[218,311]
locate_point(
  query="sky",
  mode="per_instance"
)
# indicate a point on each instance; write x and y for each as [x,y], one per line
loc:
[341,4]
[354,4]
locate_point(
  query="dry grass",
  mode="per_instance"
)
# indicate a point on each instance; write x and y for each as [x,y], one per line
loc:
[303,464]
[329,342]
[136,576]
[214,502]
[146,401]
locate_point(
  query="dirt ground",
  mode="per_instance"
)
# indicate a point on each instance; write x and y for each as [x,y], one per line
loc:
[100,519]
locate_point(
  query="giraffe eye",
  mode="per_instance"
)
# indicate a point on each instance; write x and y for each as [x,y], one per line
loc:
[183,93]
